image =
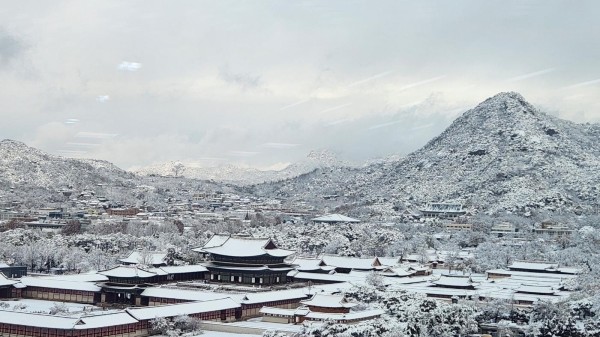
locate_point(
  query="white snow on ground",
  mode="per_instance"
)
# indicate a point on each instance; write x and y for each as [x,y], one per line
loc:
[222,334]
[44,306]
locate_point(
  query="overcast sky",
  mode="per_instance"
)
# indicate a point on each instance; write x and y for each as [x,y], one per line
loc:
[264,82]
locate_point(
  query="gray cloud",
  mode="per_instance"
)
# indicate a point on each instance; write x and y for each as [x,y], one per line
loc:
[337,107]
[243,80]
[370,78]
[383,125]
[291,105]
[531,75]
[243,153]
[10,48]
[583,84]
[237,80]
[279,145]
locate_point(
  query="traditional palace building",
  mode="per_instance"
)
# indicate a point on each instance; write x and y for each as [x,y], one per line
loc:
[245,260]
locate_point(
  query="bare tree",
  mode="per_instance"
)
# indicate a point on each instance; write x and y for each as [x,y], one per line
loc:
[100,260]
[180,226]
[375,280]
[72,227]
[145,257]
[178,168]
[13,224]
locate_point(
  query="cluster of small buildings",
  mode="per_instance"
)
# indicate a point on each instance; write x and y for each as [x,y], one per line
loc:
[522,284]
[208,207]
[454,215]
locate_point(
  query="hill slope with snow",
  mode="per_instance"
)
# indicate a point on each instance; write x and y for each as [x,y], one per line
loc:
[37,178]
[247,175]
[503,155]
[21,165]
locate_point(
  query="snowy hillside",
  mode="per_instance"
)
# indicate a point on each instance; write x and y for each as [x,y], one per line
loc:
[503,155]
[247,175]
[21,165]
[36,177]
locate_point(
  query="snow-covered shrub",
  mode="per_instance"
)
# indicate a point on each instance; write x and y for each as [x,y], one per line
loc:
[58,308]
[160,325]
[19,307]
[375,280]
[176,326]
[373,328]
[186,324]
[420,315]
[273,333]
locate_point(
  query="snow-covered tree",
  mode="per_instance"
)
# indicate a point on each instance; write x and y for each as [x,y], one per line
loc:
[161,325]
[177,168]
[58,308]
[186,323]
[375,280]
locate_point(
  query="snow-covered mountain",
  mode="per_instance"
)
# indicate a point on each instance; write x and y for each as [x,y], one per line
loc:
[36,178]
[247,175]
[503,155]
[24,166]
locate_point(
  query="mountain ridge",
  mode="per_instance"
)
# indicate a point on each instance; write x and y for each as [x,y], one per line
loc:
[240,175]
[504,155]
[36,178]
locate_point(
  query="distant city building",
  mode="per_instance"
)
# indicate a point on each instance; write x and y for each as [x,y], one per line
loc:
[443,210]
[8,215]
[459,227]
[552,229]
[335,218]
[123,211]
[504,229]
[46,226]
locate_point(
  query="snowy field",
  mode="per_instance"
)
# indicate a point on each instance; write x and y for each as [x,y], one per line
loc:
[41,306]
[222,334]
[218,334]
